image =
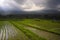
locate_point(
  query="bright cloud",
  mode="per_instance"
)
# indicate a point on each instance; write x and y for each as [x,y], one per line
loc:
[29,5]
[4,4]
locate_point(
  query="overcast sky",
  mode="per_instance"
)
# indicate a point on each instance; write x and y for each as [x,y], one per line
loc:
[30,5]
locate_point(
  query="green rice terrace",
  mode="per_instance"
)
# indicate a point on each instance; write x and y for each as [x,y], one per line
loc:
[30,29]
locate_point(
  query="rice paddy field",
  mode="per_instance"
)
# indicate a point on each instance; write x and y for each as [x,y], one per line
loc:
[30,29]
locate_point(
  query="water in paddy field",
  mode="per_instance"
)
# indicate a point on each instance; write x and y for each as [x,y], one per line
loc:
[10,32]
[7,31]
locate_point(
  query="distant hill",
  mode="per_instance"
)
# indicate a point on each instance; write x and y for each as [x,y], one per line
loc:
[49,14]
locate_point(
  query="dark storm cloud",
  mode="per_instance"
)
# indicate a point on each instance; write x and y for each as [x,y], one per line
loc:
[29,5]
[24,4]
[48,4]
[20,1]
[53,3]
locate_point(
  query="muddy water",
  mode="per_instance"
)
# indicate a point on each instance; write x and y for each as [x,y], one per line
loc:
[44,34]
[9,32]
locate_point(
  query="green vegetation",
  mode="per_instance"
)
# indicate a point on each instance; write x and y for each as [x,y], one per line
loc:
[1,24]
[30,29]
[47,25]
[28,33]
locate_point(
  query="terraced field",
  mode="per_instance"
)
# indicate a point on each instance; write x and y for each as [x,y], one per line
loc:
[30,29]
